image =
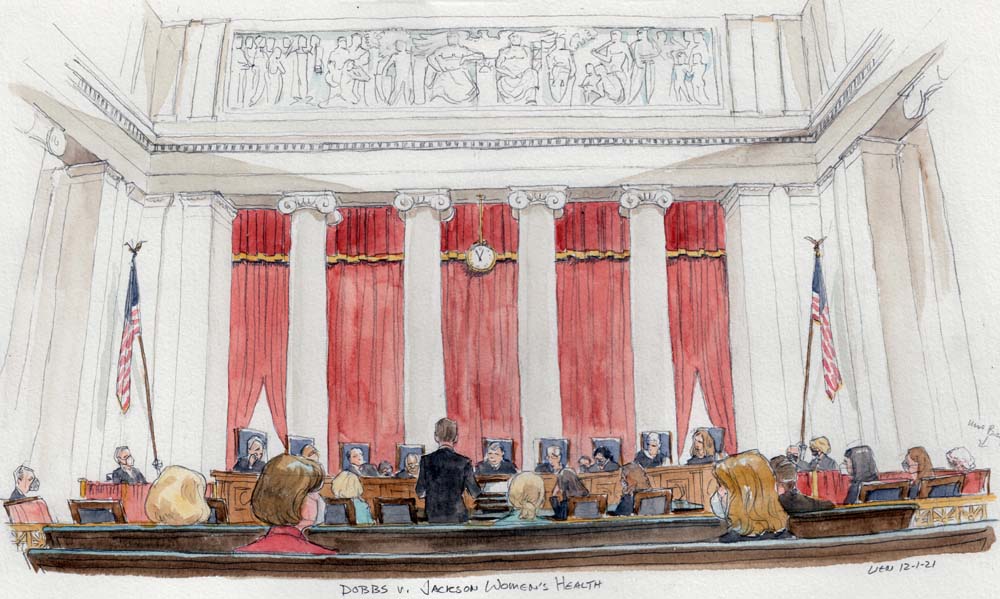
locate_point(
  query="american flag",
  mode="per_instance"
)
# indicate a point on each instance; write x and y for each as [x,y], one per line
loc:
[821,315]
[130,330]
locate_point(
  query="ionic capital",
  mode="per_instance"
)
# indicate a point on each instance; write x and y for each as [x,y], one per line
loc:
[553,198]
[634,196]
[407,200]
[324,202]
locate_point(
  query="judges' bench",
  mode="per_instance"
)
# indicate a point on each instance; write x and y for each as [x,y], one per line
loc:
[693,483]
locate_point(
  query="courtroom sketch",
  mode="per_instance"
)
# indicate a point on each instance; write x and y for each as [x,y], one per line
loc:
[432,292]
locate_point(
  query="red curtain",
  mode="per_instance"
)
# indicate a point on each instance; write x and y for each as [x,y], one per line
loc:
[364,283]
[699,313]
[479,328]
[258,322]
[595,330]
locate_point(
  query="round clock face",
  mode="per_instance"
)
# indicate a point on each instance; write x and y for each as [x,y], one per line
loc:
[480,258]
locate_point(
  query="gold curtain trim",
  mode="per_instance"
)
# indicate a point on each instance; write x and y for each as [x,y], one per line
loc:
[696,253]
[338,258]
[585,255]
[460,256]
[243,257]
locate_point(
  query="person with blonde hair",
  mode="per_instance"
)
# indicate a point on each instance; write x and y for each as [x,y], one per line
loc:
[821,460]
[177,497]
[286,497]
[747,499]
[702,448]
[526,494]
[347,485]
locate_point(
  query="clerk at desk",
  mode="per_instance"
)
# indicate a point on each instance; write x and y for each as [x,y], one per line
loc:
[126,472]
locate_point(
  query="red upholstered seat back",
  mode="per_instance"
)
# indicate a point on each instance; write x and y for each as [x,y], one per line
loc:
[32,511]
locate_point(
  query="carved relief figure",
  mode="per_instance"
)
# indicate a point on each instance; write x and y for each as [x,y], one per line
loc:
[258,61]
[397,69]
[451,74]
[517,81]
[645,52]
[662,67]
[274,76]
[343,83]
[562,71]
[361,56]
[616,57]
[301,54]
[679,78]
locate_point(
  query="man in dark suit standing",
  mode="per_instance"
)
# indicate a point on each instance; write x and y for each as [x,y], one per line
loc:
[444,475]
[126,472]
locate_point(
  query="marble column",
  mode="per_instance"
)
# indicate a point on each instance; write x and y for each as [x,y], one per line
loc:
[760,387]
[201,389]
[424,402]
[47,391]
[536,209]
[869,363]
[653,368]
[307,403]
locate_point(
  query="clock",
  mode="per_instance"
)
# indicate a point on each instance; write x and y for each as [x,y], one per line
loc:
[480,258]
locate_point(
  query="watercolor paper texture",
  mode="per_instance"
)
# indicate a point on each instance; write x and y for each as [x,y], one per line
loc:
[499,299]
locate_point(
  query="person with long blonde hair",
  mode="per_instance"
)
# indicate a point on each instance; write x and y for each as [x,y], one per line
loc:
[177,497]
[747,499]
[526,494]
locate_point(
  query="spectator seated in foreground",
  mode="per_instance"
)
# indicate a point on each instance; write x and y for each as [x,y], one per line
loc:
[860,465]
[347,485]
[747,499]
[633,479]
[177,498]
[286,498]
[917,465]
[526,494]
[568,484]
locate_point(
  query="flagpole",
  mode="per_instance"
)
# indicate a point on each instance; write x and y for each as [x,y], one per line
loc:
[149,405]
[809,348]
[157,464]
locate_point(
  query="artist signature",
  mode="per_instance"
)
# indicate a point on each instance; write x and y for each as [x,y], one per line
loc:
[991,432]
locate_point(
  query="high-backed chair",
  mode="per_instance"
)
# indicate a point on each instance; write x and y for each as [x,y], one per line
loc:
[297,444]
[614,444]
[653,502]
[339,511]
[587,508]
[884,490]
[934,487]
[395,510]
[345,452]
[97,511]
[718,438]
[506,445]
[562,444]
[666,446]
[218,511]
[405,449]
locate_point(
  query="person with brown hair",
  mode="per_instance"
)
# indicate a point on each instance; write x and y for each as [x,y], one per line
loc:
[747,499]
[444,476]
[286,497]
[702,448]
[917,466]
[568,484]
[177,497]
[634,479]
